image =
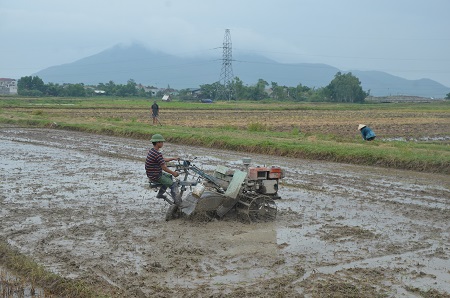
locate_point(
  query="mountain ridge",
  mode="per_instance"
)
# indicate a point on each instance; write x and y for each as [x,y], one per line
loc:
[122,63]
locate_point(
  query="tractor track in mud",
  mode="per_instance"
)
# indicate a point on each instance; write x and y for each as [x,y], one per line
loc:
[78,204]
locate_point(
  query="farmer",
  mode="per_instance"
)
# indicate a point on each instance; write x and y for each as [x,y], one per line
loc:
[155,112]
[366,132]
[155,164]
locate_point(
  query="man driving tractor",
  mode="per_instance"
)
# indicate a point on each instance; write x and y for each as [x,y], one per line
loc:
[157,170]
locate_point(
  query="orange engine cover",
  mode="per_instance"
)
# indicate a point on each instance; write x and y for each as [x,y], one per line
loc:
[275,173]
[261,173]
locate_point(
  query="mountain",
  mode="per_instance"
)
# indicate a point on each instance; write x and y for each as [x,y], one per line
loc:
[383,84]
[122,63]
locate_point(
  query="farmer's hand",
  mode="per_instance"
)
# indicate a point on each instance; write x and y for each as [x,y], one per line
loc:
[175,174]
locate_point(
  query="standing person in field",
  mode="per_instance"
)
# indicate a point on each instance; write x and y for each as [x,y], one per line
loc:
[157,170]
[155,112]
[366,132]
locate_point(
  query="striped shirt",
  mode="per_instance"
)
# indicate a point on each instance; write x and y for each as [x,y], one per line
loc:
[153,164]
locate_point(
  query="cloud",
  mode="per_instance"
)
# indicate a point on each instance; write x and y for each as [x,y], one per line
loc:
[394,36]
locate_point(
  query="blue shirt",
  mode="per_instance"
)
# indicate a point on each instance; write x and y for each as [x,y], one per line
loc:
[367,133]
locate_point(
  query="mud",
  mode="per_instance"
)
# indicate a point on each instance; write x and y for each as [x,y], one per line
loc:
[79,205]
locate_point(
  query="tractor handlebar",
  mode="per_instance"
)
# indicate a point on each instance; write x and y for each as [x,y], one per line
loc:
[186,166]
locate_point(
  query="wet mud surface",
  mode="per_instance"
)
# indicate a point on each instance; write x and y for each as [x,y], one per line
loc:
[79,205]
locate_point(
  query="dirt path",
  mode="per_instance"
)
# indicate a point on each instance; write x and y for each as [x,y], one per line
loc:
[78,204]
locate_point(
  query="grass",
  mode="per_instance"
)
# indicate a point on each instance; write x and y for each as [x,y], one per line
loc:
[255,127]
[38,277]
[144,103]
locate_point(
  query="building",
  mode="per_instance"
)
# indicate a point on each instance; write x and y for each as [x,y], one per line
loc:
[148,89]
[8,86]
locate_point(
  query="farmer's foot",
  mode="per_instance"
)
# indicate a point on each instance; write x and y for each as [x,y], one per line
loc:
[159,196]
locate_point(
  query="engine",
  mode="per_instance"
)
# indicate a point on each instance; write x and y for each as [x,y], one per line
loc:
[264,180]
[252,192]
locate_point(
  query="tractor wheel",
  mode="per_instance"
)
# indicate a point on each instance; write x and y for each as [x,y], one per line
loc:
[256,208]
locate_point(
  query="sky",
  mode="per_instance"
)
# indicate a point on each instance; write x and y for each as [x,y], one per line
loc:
[407,38]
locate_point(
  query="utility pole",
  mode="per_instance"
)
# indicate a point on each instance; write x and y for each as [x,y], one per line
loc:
[226,75]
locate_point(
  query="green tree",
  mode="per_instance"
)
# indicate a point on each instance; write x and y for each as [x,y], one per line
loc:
[277,91]
[75,90]
[186,94]
[319,95]
[54,90]
[31,86]
[239,88]
[258,92]
[209,90]
[126,90]
[300,92]
[131,87]
[447,96]
[345,88]
[109,88]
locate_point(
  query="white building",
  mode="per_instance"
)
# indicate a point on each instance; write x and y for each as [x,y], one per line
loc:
[8,86]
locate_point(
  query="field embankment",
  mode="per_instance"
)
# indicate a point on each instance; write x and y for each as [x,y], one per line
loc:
[413,136]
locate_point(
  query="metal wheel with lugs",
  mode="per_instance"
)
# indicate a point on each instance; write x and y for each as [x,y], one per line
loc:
[254,207]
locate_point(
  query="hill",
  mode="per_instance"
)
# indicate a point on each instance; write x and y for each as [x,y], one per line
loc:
[122,63]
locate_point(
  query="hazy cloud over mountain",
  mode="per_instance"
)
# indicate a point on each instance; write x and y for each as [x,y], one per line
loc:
[122,63]
[404,38]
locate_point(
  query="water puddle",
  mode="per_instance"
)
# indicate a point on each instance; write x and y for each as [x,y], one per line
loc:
[421,139]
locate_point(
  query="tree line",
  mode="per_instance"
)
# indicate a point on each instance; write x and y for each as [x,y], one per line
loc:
[35,86]
[343,88]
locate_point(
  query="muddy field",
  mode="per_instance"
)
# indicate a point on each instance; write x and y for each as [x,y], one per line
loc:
[79,205]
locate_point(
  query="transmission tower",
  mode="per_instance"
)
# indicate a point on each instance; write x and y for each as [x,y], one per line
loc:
[226,75]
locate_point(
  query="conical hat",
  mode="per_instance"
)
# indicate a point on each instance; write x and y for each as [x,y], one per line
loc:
[361,126]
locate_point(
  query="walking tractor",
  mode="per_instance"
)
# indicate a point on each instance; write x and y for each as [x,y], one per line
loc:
[250,194]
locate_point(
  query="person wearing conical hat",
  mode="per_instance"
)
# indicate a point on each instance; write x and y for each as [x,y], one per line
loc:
[366,132]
